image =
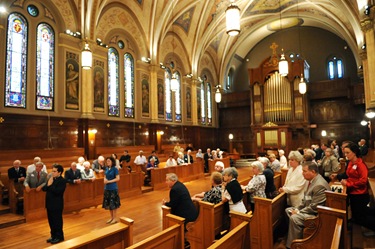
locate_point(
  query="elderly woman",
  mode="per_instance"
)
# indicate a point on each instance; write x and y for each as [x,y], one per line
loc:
[294,182]
[269,174]
[257,184]
[329,164]
[214,194]
[283,161]
[275,164]
[232,191]
[180,158]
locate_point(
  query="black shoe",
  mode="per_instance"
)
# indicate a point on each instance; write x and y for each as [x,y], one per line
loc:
[49,240]
[55,241]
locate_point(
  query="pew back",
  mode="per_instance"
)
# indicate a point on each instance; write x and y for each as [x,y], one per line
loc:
[119,235]
[235,239]
[170,237]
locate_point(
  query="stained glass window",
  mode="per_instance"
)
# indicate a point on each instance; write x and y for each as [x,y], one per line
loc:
[129,85]
[113,83]
[168,94]
[177,98]
[335,68]
[203,104]
[45,55]
[209,104]
[16,61]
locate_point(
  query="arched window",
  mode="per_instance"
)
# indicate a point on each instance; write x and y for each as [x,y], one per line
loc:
[209,104]
[45,60]
[113,83]
[203,104]
[177,97]
[129,85]
[16,61]
[229,79]
[335,68]
[168,94]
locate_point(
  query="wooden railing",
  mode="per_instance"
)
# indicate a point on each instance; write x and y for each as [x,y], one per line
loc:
[117,236]
[170,237]
[328,233]
[184,172]
[84,195]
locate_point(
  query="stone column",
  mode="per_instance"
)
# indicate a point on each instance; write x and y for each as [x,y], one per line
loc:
[154,93]
[194,104]
[367,26]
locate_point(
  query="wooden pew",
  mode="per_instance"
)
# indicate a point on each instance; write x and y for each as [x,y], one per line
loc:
[268,217]
[119,235]
[173,236]
[16,197]
[184,172]
[201,233]
[211,164]
[329,231]
[84,195]
[239,235]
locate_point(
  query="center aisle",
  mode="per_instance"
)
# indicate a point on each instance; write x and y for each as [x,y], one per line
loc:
[144,209]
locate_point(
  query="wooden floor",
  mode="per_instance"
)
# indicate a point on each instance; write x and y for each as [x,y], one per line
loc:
[145,210]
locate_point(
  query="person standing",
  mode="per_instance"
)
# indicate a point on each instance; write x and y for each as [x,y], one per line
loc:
[111,200]
[55,189]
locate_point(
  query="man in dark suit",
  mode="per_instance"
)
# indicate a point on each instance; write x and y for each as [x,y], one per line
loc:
[207,156]
[36,179]
[188,158]
[314,195]
[55,189]
[73,175]
[179,199]
[17,173]
[363,149]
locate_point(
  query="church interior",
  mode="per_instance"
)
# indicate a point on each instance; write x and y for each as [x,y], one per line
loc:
[81,77]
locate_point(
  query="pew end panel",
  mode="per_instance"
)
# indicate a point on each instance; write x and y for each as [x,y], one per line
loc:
[329,231]
[269,217]
[171,237]
[235,239]
[116,236]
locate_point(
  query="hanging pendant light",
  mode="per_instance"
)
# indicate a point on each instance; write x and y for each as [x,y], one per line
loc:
[283,64]
[218,94]
[86,57]
[232,15]
[302,85]
[174,83]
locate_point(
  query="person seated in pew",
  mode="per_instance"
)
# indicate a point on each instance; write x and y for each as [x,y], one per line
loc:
[199,154]
[87,174]
[36,179]
[170,161]
[294,182]
[214,194]
[156,159]
[219,166]
[188,158]
[283,161]
[149,167]
[114,155]
[180,158]
[189,147]
[232,193]
[31,167]
[257,184]
[98,165]
[314,195]
[269,174]
[275,164]
[140,161]
[80,162]
[73,175]
[179,199]
[17,173]
[125,160]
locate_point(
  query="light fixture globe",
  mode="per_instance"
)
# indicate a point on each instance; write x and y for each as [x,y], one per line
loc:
[232,15]
[364,122]
[218,95]
[174,84]
[283,65]
[86,57]
[302,87]
[370,114]
[324,133]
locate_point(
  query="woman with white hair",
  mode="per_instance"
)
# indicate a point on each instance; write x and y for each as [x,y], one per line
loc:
[257,184]
[283,161]
[232,191]
[294,182]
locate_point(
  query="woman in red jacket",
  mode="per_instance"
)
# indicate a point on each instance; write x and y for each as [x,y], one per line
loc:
[357,185]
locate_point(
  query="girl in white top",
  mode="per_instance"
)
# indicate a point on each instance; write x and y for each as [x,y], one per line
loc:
[294,182]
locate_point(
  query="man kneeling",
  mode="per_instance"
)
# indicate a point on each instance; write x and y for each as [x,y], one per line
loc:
[314,195]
